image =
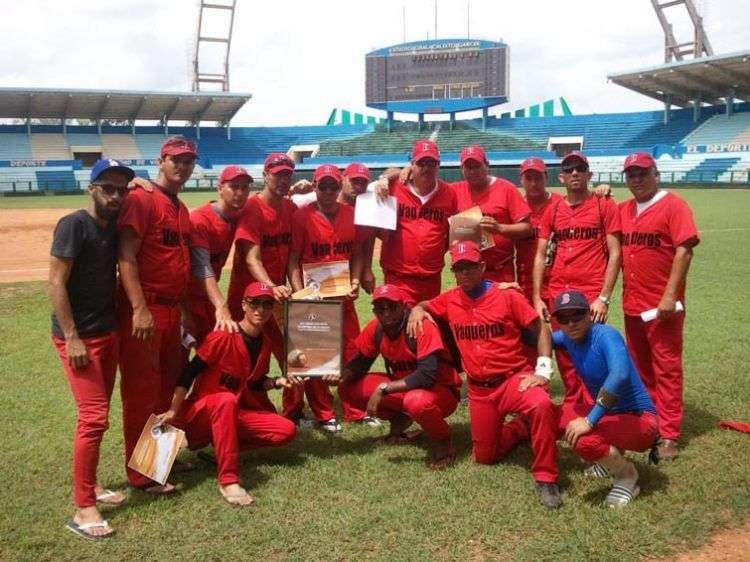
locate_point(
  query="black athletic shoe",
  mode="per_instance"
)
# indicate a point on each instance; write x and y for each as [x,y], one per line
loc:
[549,494]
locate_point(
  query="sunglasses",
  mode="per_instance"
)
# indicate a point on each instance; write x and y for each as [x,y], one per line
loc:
[465,268]
[385,307]
[328,187]
[426,163]
[280,161]
[577,317]
[110,189]
[266,304]
[580,168]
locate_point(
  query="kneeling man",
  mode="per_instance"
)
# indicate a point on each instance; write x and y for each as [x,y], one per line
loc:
[227,369]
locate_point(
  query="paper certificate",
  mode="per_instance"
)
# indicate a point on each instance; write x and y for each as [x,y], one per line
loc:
[324,280]
[156,450]
[370,211]
[314,338]
[465,226]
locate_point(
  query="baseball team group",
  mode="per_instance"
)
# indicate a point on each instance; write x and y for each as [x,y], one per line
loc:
[134,284]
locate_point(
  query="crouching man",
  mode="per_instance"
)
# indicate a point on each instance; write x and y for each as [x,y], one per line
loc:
[623,417]
[227,367]
[421,384]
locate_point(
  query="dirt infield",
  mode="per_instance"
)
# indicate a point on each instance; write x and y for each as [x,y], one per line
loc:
[26,236]
[729,545]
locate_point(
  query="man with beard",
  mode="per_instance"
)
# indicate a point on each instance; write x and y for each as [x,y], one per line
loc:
[84,331]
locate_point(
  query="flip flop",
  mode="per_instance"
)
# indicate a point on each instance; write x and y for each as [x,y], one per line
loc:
[81,530]
[237,499]
[620,496]
[106,495]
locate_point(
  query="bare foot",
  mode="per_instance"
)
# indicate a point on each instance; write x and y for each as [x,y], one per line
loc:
[443,454]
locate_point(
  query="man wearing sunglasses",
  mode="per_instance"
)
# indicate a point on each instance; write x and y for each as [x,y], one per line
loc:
[84,330]
[659,235]
[623,418]
[487,321]
[212,234]
[420,384]
[324,232]
[154,262]
[586,231]
[225,367]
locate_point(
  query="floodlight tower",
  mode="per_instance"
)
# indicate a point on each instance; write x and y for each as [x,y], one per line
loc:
[210,9]
[673,50]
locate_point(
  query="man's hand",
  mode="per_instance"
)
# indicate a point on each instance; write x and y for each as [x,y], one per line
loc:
[603,190]
[143,323]
[575,429]
[368,281]
[599,311]
[541,309]
[508,285]
[281,293]
[296,381]
[489,223]
[332,380]
[373,403]
[283,382]
[354,292]
[382,190]
[166,417]
[666,308]
[530,381]
[75,349]
[224,321]
[142,183]
[404,175]
[417,316]
[301,187]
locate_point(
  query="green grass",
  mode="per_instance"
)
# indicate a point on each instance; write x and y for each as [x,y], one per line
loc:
[340,498]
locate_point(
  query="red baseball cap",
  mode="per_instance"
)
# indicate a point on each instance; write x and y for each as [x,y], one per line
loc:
[424,148]
[533,163]
[474,152]
[388,292]
[175,146]
[257,289]
[465,251]
[357,170]
[327,171]
[639,160]
[233,172]
[576,154]
[278,162]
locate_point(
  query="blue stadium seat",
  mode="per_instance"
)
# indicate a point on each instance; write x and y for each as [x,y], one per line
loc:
[56,179]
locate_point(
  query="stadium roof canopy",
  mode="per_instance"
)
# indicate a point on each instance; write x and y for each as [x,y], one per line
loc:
[41,103]
[708,79]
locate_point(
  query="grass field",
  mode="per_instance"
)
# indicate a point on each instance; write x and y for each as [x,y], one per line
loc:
[342,498]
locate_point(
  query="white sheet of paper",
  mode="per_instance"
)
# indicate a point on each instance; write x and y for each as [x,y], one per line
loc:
[368,211]
[649,315]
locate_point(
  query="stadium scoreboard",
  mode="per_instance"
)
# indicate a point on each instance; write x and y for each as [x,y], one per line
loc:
[438,76]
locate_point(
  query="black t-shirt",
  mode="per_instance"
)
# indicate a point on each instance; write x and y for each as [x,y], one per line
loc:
[91,286]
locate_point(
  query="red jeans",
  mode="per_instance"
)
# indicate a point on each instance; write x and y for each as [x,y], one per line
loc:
[427,406]
[626,432]
[92,390]
[148,374]
[493,439]
[656,348]
[218,419]
[417,288]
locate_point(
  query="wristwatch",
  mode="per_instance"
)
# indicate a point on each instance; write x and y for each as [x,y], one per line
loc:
[383,388]
[604,299]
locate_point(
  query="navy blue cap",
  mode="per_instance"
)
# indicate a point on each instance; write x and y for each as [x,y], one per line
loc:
[105,164]
[570,300]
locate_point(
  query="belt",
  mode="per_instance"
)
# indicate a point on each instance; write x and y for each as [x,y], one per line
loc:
[152,298]
[495,381]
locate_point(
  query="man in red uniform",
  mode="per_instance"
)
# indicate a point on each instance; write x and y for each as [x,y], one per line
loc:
[324,232]
[225,366]
[356,177]
[154,261]
[504,211]
[487,322]
[212,233]
[412,257]
[658,237]
[421,384]
[586,231]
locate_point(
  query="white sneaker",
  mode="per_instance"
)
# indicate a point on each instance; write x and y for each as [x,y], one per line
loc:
[371,421]
[331,426]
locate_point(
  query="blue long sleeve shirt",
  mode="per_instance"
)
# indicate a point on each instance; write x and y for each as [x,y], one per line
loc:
[602,361]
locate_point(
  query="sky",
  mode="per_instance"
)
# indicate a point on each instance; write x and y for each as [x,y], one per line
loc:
[300,59]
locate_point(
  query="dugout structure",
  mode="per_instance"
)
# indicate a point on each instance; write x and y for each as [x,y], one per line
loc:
[437,76]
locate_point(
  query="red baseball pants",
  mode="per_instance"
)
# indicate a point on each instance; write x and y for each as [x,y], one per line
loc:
[427,407]
[626,432]
[92,390]
[417,288]
[204,316]
[218,419]
[656,348]
[493,439]
[148,374]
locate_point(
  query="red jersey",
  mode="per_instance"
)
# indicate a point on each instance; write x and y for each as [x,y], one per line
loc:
[318,240]
[526,251]
[487,330]
[162,222]
[418,245]
[400,358]
[501,201]
[581,236]
[649,242]
[212,232]
[229,368]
